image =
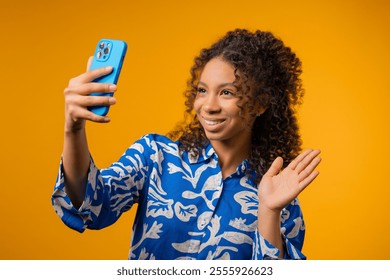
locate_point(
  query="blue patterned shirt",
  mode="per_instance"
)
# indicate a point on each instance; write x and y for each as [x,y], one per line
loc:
[186,210]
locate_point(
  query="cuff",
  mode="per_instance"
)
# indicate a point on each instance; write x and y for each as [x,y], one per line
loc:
[263,250]
[78,219]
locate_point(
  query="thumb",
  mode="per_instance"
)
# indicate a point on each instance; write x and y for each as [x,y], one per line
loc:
[275,167]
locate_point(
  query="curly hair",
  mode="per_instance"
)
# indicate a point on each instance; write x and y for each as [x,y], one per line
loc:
[268,73]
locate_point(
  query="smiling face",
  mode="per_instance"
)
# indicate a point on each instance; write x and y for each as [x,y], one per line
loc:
[218,106]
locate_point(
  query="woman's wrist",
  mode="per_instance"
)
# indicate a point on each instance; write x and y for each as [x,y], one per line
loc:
[72,127]
[264,210]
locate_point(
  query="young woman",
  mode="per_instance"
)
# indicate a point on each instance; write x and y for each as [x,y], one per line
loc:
[222,186]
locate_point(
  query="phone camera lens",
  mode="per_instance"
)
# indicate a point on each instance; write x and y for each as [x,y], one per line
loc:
[101,45]
[106,50]
[99,54]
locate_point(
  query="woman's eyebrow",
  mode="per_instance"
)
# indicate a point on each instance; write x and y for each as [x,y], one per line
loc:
[221,85]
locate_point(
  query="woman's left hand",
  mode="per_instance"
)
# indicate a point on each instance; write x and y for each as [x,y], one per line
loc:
[279,187]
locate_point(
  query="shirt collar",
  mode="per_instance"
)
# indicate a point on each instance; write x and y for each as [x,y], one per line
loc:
[205,154]
[208,152]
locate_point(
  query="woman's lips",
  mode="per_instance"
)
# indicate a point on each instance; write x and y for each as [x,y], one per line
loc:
[212,124]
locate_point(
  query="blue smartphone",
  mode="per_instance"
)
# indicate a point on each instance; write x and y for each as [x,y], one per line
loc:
[108,52]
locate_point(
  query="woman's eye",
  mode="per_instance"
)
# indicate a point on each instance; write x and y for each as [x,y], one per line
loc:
[201,90]
[227,92]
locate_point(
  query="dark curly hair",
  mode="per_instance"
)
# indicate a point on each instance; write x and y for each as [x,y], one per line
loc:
[268,73]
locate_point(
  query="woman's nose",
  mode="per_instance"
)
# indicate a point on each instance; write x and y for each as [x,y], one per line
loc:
[211,104]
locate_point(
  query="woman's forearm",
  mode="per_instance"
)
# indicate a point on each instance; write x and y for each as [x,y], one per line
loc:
[269,228]
[76,160]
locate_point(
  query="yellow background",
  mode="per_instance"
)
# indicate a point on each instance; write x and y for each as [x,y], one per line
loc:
[344,46]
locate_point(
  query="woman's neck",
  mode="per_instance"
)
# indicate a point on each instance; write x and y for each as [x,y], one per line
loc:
[231,154]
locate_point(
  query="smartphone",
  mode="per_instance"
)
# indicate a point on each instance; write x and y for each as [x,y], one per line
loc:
[108,52]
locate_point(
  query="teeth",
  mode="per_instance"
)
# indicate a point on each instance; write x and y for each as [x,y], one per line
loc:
[212,122]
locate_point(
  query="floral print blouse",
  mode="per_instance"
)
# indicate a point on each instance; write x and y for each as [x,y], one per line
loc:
[186,210]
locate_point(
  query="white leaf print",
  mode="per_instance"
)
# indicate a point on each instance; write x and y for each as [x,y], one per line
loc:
[295,202]
[240,224]
[173,149]
[270,251]
[137,147]
[213,164]
[158,158]
[226,255]
[244,183]
[184,213]
[136,161]
[237,237]
[151,233]
[187,173]
[122,204]
[194,246]
[145,255]
[212,184]
[136,167]
[216,255]
[172,169]
[285,215]
[204,219]
[58,209]
[213,227]
[92,176]
[60,202]
[193,233]
[298,225]
[248,201]
[87,205]
[189,246]
[294,252]
[159,206]
[190,195]
[155,182]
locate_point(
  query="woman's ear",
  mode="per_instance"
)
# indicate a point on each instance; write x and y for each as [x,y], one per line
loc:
[259,110]
[261,106]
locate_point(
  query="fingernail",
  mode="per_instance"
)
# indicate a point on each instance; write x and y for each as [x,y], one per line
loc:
[112,100]
[108,68]
[112,87]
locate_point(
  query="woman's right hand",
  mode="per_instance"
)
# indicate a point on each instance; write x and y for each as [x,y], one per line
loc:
[77,98]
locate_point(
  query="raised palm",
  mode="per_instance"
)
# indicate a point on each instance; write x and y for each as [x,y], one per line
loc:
[279,187]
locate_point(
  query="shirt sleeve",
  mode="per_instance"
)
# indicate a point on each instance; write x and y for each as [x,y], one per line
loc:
[109,192]
[293,233]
